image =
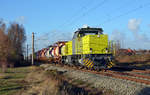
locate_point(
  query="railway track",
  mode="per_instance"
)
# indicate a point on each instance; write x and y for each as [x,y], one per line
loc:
[142,71]
[131,74]
[128,76]
[138,78]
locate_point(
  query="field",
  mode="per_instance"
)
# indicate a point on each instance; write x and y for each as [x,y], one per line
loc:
[51,79]
[36,81]
[13,80]
[134,61]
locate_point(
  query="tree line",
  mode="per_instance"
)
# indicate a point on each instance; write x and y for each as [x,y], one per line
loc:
[12,38]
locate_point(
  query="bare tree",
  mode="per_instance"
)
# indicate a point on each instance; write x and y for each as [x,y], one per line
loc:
[11,44]
[3,46]
[16,35]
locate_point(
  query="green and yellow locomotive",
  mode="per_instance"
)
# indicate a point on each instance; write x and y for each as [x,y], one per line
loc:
[89,48]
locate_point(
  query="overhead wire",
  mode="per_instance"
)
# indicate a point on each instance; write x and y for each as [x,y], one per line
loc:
[75,14]
[83,14]
[108,20]
[126,13]
[88,11]
[86,3]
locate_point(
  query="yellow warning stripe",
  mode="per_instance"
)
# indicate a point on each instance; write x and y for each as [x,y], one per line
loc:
[85,61]
[90,64]
[110,65]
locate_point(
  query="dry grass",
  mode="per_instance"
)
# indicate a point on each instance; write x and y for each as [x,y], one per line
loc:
[36,81]
[53,82]
[13,80]
[133,58]
[41,83]
[139,61]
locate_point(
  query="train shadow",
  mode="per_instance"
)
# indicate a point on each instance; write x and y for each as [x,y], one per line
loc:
[144,91]
[122,67]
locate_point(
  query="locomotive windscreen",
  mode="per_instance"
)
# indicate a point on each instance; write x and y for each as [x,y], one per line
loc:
[84,33]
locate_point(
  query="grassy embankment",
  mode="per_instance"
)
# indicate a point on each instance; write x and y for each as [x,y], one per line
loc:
[139,61]
[37,81]
[13,80]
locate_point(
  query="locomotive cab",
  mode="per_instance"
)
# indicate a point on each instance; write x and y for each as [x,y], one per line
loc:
[89,48]
[81,32]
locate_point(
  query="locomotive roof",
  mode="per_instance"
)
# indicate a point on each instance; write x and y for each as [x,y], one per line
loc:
[89,29]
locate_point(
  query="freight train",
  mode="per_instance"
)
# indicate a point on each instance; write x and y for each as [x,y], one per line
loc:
[88,48]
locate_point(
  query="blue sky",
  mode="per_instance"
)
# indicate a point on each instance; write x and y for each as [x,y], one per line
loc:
[54,20]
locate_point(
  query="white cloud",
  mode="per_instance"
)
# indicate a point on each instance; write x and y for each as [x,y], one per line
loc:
[119,36]
[140,40]
[20,20]
[134,38]
[134,25]
[4,21]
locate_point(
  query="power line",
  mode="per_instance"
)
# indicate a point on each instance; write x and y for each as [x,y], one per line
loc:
[77,12]
[40,39]
[126,13]
[79,17]
[76,18]
[108,20]
[119,8]
[88,11]
[46,34]
[74,15]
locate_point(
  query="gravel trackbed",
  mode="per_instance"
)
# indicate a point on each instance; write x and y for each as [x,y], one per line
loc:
[119,86]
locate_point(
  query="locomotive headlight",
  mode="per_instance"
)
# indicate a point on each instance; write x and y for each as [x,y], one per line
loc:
[67,60]
[91,50]
[106,50]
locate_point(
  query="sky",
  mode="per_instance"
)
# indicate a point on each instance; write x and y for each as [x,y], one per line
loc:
[53,20]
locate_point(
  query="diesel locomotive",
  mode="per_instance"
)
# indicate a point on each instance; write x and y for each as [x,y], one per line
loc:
[88,48]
